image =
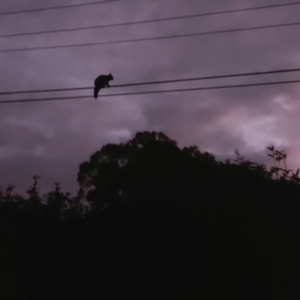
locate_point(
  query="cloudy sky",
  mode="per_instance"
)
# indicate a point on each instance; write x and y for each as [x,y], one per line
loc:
[52,138]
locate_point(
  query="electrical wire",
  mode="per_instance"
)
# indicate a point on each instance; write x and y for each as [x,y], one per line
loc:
[158,82]
[54,7]
[151,38]
[153,92]
[149,20]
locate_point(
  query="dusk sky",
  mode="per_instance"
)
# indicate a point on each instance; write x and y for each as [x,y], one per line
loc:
[52,138]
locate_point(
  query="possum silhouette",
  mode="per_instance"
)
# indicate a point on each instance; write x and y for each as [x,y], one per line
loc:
[101,82]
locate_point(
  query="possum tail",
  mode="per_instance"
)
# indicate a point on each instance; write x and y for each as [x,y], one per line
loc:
[96,91]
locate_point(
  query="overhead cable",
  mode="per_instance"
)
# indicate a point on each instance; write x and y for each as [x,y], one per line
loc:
[54,7]
[150,38]
[149,20]
[153,92]
[158,82]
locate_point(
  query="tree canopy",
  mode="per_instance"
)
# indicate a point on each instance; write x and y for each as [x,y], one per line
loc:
[162,223]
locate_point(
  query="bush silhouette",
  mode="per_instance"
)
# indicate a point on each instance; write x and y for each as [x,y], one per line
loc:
[162,223]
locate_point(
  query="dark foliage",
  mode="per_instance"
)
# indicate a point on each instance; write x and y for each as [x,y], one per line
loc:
[162,223]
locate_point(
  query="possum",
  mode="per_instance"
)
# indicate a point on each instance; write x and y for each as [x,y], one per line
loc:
[101,82]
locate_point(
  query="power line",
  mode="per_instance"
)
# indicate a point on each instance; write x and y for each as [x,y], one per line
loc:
[153,92]
[151,38]
[149,20]
[158,82]
[54,7]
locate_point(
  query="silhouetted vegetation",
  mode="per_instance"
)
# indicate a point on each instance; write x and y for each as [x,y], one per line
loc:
[161,223]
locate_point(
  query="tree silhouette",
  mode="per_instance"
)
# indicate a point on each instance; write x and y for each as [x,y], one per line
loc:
[163,223]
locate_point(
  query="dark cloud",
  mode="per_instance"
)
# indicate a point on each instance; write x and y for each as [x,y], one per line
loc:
[51,139]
